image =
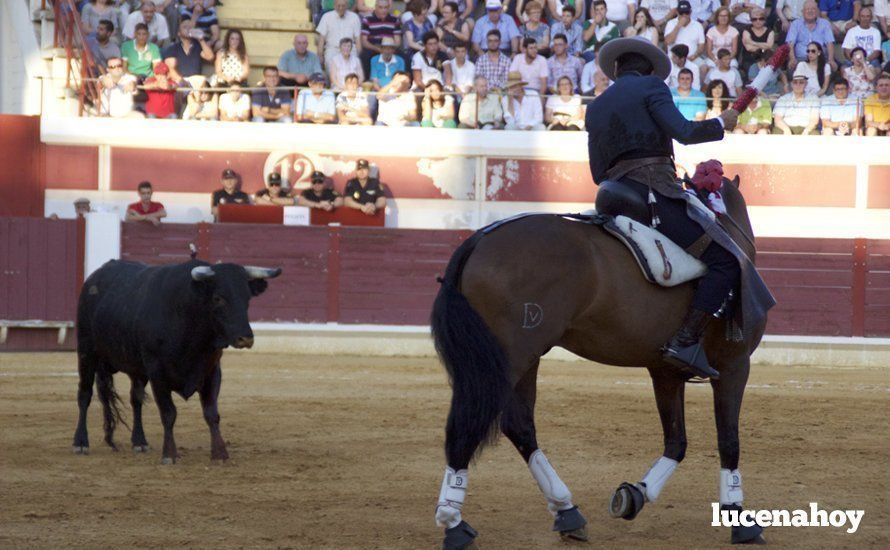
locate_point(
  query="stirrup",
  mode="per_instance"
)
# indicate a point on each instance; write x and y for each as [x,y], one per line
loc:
[690,359]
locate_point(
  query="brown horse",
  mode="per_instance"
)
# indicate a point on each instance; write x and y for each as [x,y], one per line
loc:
[512,293]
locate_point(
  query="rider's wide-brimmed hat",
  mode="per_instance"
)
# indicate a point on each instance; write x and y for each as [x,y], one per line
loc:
[615,48]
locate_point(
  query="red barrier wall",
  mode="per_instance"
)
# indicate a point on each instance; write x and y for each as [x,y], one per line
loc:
[21,181]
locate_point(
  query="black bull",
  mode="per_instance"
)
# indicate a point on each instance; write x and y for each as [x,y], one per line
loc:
[167,326]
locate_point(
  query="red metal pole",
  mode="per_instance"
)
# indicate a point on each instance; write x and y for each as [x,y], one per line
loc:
[860,270]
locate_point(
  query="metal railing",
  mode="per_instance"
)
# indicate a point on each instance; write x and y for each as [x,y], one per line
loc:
[80,67]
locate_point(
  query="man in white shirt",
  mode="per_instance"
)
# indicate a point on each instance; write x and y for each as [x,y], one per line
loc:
[661,11]
[796,113]
[335,26]
[679,61]
[343,64]
[460,71]
[531,67]
[118,88]
[686,30]
[864,36]
[724,71]
[621,12]
[741,10]
[522,110]
[234,106]
[429,63]
[158,32]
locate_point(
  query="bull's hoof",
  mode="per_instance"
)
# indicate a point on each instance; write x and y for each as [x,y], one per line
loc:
[81,449]
[140,448]
[571,524]
[627,501]
[168,460]
[459,537]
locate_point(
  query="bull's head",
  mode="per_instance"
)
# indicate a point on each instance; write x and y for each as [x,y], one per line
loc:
[228,289]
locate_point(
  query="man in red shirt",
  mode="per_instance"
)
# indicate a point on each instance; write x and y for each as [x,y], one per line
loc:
[161,92]
[146,210]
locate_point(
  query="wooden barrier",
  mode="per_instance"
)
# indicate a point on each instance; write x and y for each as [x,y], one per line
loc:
[242,213]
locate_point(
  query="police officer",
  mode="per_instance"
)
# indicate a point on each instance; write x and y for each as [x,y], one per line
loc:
[364,192]
[631,127]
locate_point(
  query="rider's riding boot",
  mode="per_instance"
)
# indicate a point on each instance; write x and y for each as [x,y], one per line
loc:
[685,350]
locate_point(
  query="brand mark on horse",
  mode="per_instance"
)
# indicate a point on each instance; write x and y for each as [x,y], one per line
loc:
[533,315]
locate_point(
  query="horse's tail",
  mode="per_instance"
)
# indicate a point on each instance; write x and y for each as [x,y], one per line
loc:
[110,404]
[475,361]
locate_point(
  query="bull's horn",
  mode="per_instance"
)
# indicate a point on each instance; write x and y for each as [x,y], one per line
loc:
[202,272]
[255,272]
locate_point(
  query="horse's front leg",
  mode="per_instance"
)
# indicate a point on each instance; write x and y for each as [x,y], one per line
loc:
[628,499]
[728,392]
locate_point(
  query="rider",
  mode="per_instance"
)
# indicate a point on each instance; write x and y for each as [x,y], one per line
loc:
[631,127]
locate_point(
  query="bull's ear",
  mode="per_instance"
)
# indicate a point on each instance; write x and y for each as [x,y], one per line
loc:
[257,286]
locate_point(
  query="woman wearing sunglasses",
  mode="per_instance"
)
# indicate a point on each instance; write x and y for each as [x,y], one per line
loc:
[816,69]
[758,37]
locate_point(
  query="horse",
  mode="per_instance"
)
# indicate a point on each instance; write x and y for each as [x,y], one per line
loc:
[511,293]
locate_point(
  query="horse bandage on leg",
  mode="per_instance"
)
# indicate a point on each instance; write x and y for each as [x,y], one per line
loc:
[451,498]
[654,480]
[555,491]
[730,486]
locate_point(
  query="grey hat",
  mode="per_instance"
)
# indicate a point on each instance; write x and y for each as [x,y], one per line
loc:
[615,48]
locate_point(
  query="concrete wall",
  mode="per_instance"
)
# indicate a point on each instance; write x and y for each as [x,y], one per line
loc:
[20,63]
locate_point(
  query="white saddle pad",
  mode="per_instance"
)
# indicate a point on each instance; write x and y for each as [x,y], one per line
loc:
[668,264]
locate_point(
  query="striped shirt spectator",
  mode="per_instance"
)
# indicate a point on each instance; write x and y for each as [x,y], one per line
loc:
[493,64]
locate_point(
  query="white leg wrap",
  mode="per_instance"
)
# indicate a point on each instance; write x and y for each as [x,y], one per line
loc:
[451,498]
[654,480]
[730,486]
[555,491]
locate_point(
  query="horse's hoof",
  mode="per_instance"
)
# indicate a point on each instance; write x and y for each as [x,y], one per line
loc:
[167,460]
[220,457]
[140,448]
[460,537]
[627,501]
[747,535]
[571,524]
[81,449]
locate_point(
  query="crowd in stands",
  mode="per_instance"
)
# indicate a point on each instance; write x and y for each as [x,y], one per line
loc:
[520,64]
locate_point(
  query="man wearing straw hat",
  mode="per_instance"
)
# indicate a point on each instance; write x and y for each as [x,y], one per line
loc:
[522,108]
[631,127]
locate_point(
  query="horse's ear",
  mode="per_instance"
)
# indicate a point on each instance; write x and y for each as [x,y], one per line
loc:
[735,181]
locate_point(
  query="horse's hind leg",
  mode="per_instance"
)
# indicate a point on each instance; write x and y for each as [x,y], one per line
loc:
[137,397]
[86,367]
[518,424]
[728,392]
[628,499]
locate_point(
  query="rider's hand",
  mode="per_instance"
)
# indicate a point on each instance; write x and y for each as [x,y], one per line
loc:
[730,119]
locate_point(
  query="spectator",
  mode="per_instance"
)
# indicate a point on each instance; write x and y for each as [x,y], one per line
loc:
[555,9]
[796,113]
[877,109]
[203,14]
[428,63]
[229,194]
[144,210]
[571,30]
[621,13]
[452,29]
[316,105]
[437,108]
[364,192]
[295,65]
[840,13]
[319,196]
[597,30]
[101,45]
[161,92]
[480,109]
[118,89]
[185,57]
[724,71]
[377,27]
[773,87]
[809,28]
[96,11]
[687,31]
[790,11]
[234,106]
[864,36]
[701,10]
[493,64]
[816,69]
[232,62]
[271,194]
[679,61]
[757,38]
[742,10]
[839,113]
[717,97]
[721,36]
[661,11]
[586,84]
[494,20]
[396,105]
[352,104]
[343,64]
[600,83]
[335,26]
[689,101]
[562,64]
[532,67]
[81,207]
[460,72]
[158,31]
[522,111]
[564,110]
[415,28]
[534,28]
[201,104]
[860,75]
[271,104]
[140,54]
[643,27]
[386,64]
[756,119]
[882,12]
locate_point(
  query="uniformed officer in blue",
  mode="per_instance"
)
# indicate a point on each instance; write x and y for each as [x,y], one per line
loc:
[631,127]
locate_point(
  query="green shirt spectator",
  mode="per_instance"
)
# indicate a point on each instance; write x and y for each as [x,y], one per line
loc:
[140,61]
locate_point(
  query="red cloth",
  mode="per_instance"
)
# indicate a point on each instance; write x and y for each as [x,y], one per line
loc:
[160,103]
[139,209]
[708,176]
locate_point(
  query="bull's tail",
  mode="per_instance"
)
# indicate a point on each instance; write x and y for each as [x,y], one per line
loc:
[110,404]
[476,364]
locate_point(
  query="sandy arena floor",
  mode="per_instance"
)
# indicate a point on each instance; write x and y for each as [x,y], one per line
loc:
[347,453]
